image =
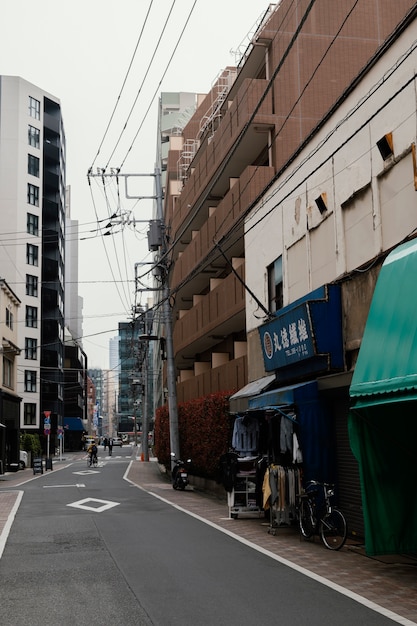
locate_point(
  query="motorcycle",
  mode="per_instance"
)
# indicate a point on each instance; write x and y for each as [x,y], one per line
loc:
[179,473]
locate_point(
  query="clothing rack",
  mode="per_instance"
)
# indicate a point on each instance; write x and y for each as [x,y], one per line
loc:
[280,489]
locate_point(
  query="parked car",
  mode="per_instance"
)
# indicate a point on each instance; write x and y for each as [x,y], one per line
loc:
[117,441]
[23,459]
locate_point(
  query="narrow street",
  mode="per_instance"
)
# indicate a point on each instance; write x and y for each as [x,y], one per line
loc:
[87,545]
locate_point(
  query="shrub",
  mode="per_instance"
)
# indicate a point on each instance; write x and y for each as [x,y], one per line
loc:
[204,428]
[30,442]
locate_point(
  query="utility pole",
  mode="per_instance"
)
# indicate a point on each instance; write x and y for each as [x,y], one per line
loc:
[171,383]
[167,315]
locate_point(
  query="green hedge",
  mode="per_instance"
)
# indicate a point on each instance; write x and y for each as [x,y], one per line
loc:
[30,442]
[204,428]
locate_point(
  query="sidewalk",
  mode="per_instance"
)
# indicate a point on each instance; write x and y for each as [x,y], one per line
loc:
[390,582]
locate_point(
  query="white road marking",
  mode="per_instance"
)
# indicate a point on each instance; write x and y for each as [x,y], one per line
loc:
[105,505]
[57,486]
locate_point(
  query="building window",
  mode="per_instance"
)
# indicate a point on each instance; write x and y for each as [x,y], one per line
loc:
[32,316]
[33,165]
[32,224]
[30,381]
[33,195]
[31,348]
[34,108]
[29,414]
[7,373]
[275,287]
[34,135]
[31,254]
[9,319]
[31,285]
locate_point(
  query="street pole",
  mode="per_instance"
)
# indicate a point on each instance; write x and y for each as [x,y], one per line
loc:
[171,382]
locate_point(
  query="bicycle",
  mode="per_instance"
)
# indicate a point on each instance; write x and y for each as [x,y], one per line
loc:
[316,515]
[92,462]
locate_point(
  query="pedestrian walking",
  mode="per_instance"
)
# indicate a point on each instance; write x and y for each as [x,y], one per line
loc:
[110,444]
[105,442]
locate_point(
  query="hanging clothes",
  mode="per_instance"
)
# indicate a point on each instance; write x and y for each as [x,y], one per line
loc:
[245,438]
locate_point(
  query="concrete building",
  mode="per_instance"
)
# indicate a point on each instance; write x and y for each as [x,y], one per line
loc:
[9,398]
[247,256]
[32,200]
[318,238]
[241,135]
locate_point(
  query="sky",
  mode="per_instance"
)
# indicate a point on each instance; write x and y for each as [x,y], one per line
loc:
[108,62]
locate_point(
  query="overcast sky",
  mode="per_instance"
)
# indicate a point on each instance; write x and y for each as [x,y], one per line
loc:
[94,55]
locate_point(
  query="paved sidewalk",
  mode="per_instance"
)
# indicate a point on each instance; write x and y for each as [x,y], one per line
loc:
[390,582]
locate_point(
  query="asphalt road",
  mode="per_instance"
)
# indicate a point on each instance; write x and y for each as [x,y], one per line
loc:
[88,547]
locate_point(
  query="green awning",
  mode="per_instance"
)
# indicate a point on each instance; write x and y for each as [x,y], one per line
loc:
[387,363]
[382,419]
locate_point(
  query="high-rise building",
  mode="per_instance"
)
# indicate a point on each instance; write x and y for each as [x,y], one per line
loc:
[32,227]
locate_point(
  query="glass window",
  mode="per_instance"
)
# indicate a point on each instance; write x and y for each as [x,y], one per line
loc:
[33,165]
[33,194]
[32,224]
[32,316]
[7,372]
[29,414]
[32,254]
[9,319]
[31,285]
[34,108]
[31,348]
[34,135]
[30,380]
[275,286]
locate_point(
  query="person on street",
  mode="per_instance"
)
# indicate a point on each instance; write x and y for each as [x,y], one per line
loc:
[110,444]
[92,452]
[105,442]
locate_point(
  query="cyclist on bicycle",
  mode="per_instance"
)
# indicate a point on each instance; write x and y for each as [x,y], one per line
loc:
[92,452]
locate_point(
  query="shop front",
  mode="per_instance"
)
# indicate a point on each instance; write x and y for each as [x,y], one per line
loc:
[283,428]
[383,415]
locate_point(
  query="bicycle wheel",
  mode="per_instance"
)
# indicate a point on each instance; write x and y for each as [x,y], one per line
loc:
[333,530]
[306,518]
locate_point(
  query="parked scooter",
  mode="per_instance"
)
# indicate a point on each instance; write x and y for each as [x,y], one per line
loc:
[179,473]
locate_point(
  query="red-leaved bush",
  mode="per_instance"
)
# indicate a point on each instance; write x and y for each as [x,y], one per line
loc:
[204,428]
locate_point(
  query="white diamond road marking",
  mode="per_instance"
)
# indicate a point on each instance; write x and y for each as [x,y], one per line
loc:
[106,505]
[86,472]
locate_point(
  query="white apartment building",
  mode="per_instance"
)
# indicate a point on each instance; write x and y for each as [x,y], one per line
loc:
[32,229]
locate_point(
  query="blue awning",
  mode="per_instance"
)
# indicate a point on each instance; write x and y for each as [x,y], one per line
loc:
[73,424]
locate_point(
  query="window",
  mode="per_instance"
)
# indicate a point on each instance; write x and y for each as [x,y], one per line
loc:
[31,348]
[275,288]
[34,136]
[31,285]
[32,224]
[29,414]
[32,316]
[31,254]
[33,165]
[30,381]
[34,108]
[33,195]
[7,372]
[9,319]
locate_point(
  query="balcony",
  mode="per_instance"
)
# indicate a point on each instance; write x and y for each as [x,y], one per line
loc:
[229,152]
[245,190]
[228,377]
[219,313]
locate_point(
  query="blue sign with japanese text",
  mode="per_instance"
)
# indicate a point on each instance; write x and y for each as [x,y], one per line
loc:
[308,329]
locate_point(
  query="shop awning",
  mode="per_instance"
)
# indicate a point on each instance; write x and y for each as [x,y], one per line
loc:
[73,424]
[239,400]
[386,369]
[382,419]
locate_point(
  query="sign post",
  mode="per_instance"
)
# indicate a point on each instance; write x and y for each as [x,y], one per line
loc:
[47,432]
